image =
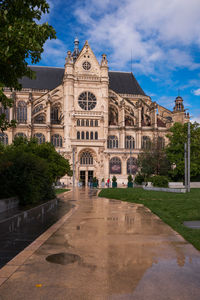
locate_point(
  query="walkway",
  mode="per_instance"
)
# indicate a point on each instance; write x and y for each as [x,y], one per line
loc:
[108,250]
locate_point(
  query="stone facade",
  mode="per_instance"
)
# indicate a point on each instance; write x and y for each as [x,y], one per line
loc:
[99,130]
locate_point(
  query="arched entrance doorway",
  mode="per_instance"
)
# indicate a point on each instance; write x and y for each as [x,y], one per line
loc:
[86,172]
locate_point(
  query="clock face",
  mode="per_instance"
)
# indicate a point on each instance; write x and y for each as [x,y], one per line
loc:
[86,65]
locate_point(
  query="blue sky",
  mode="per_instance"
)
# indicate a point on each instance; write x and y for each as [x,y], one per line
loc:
[162,37]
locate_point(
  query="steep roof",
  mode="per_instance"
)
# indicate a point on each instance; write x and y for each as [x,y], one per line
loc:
[48,78]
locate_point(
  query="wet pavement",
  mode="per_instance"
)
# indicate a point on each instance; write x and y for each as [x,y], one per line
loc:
[108,250]
[12,243]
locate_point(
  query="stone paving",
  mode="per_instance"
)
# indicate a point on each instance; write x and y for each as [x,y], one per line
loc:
[107,249]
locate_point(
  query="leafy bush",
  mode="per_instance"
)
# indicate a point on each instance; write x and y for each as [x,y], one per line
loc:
[159,181]
[139,178]
[114,179]
[28,170]
[130,178]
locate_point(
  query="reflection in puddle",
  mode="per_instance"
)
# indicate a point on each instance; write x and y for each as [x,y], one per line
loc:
[63,258]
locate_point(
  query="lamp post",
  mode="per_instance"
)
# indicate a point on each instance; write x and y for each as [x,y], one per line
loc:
[188,176]
[73,167]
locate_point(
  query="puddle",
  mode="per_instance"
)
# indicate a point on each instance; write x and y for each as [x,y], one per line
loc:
[63,258]
[192,224]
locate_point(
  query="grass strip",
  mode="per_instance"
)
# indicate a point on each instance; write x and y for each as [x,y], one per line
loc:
[60,191]
[172,208]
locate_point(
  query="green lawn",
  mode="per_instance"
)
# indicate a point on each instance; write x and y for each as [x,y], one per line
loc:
[60,191]
[172,208]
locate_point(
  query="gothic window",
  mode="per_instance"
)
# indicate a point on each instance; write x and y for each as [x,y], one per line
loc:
[86,158]
[18,134]
[78,135]
[78,122]
[146,143]
[115,165]
[87,123]
[4,111]
[161,142]
[113,116]
[96,135]
[4,138]
[82,122]
[91,135]
[132,166]
[112,142]
[129,142]
[87,101]
[40,138]
[37,108]
[87,135]
[129,121]
[55,115]
[86,65]
[56,140]
[39,119]
[21,112]
[96,123]
[82,135]
[91,123]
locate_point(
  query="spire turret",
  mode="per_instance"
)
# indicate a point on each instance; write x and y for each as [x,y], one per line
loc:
[179,107]
[76,51]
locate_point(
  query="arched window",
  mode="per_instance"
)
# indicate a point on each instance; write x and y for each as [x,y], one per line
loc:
[96,123]
[56,140]
[112,142]
[40,138]
[78,123]
[4,138]
[87,123]
[113,115]
[78,135]
[129,142]
[86,158]
[115,165]
[132,166]
[18,134]
[4,111]
[39,119]
[96,135]
[146,143]
[87,135]
[161,142]
[82,122]
[55,115]
[82,135]
[21,112]
[129,121]
[91,135]
[87,101]
[91,123]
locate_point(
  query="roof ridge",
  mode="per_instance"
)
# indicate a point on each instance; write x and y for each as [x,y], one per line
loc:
[121,72]
[46,67]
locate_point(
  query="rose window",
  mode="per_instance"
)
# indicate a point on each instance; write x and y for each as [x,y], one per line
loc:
[87,101]
[86,65]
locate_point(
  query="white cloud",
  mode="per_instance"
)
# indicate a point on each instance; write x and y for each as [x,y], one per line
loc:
[54,51]
[196,92]
[156,31]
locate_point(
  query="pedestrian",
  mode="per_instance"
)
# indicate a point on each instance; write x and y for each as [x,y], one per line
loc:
[108,182]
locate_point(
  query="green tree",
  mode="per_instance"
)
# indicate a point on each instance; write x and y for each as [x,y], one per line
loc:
[153,161]
[175,150]
[29,170]
[21,37]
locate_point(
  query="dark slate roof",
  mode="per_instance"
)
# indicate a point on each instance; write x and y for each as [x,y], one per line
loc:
[124,83]
[48,78]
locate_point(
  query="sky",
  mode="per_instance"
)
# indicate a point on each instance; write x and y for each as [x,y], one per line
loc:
[158,40]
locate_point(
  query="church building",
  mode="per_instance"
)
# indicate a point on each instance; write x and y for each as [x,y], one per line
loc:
[98,119]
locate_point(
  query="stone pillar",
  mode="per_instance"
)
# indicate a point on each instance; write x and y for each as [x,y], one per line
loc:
[48,113]
[68,86]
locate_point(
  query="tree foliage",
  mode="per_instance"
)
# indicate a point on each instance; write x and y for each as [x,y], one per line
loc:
[153,161]
[21,37]
[175,149]
[29,170]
